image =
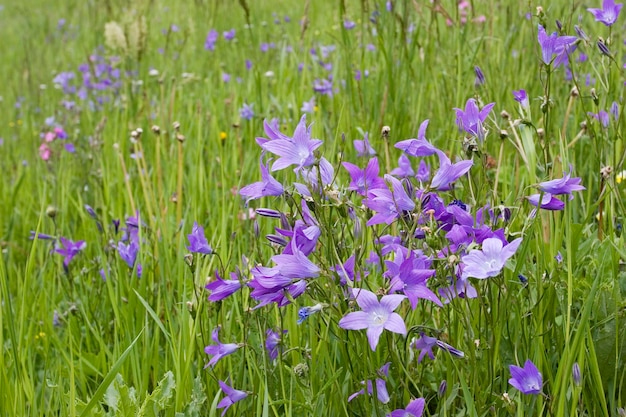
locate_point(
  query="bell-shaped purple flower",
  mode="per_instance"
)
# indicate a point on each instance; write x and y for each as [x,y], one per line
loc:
[608,13]
[527,379]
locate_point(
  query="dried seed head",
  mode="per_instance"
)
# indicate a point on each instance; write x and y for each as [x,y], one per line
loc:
[541,133]
[385,131]
[504,134]
[574,92]
[176,125]
[51,212]
[156,129]
[180,137]
[505,115]
[583,125]
[606,171]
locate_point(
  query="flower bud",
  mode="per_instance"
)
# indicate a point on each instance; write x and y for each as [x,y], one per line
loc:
[576,373]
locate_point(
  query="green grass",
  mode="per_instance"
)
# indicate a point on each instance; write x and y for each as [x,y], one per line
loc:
[135,346]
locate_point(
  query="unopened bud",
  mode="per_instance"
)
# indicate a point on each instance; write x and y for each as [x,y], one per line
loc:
[156,129]
[443,387]
[505,115]
[574,92]
[180,137]
[504,134]
[51,212]
[576,373]
[594,96]
[541,133]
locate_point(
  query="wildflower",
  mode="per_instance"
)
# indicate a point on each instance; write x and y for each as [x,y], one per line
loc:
[527,379]
[565,185]
[561,46]
[404,168]
[232,396]
[375,316]
[349,24]
[471,120]
[229,35]
[449,172]
[211,39]
[489,261]
[219,350]
[602,117]
[381,386]
[323,86]
[69,250]
[522,98]
[197,240]
[409,275]
[221,288]
[293,151]
[576,373]
[305,312]
[548,202]
[128,252]
[480,76]
[246,112]
[268,186]
[364,180]
[425,345]
[420,146]
[272,343]
[414,408]
[363,147]
[423,171]
[308,106]
[608,13]
[388,205]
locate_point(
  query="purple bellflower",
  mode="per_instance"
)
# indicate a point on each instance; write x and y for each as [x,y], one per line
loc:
[489,261]
[420,146]
[219,350]
[308,106]
[211,39]
[375,316]
[246,112]
[69,250]
[272,343]
[565,185]
[363,147]
[414,408]
[268,186]
[608,13]
[561,46]
[471,120]
[232,396]
[404,168]
[480,76]
[388,205]
[298,151]
[221,288]
[229,35]
[381,386]
[527,379]
[128,252]
[425,345]
[197,240]
[449,172]
[522,98]
[548,202]
[364,180]
[410,275]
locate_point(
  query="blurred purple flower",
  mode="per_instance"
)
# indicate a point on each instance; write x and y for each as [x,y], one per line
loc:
[608,13]
[414,408]
[272,343]
[323,86]
[527,379]
[489,261]
[522,98]
[375,315]
[423,172]
[363,147]
[219,350]
[69,250]
[308,106]
[232,396]
[229,35]
[246,112]
[404,168]
[602,117]
[211,39]
[388,205]
[349,24]
[197,240]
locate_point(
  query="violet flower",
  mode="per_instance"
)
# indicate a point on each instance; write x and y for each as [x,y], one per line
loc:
[522,98]
[414,408]
[232,396]
[548,202]
[471,120]
[449,172]
[305,312]
[388,205]
[308,106]
[489,261]
[219,350]
[298,151]
[69,250]
[527,379]
[410,277]
[246,112]
[197,241]
[561,46]
[565,185]
[268,186]
[272,342]
[363,147]
[608,13]
[381,386]
[375,315]
[480,76]
[211,39]
[404,168]
[425,345]
[229,35]
[420,146]
[364,180]
[221,288]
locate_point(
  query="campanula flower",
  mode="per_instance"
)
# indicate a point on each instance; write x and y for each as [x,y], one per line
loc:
[608,13]
[219,350]
[489,261]
[527,379]
[232,396]
[197,241]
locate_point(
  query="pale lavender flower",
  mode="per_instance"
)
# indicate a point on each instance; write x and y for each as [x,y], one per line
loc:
[349,24]
[211,39]
[414,408]
[565,185]
[298,150]
[381,386]
[197,240]
[489,261]
[375,315]
[229,35]
[69,250]
[449,172]
[363,147]
[527,379]
[423,172]
[608,13]
[388,205]
[268,186]
[472,119]
[364,180]
[602,117]
[323,86]
[246,112]
[232,396]
[308,106]
[522,98]
[272,342]
[219,350]
[404,168]
[561,46]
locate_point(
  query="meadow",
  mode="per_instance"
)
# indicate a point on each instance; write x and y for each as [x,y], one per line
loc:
[307,208]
